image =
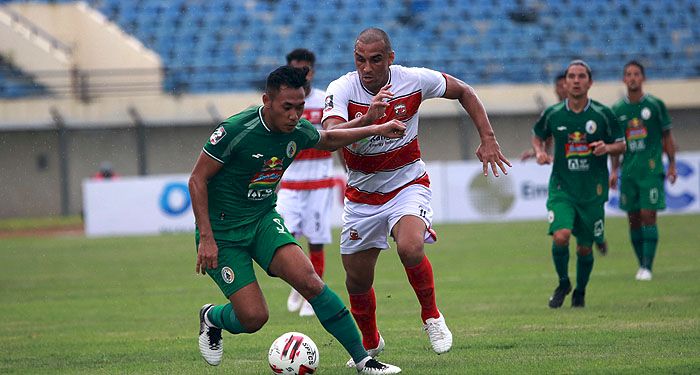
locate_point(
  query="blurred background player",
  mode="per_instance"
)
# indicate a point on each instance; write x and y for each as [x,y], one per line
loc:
[584,133]
[561,93]
[647,127]
[232,187]
[306,190]
[388,188]
[106,172]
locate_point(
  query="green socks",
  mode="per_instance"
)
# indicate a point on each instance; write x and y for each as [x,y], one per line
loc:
[560,255]
[584,266]
[650,236]
[637,244]
[336,319]
[224,317]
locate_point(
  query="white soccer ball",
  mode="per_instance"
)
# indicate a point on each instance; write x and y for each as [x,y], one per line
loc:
[293,353]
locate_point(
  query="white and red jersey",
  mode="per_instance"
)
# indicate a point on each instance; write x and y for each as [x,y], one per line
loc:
[312,168]
[378,167]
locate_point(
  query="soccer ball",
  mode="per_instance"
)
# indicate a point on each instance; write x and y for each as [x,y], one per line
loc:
[293,353]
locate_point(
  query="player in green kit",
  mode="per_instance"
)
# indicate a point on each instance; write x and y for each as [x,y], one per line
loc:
[584,133]
[647,127]
[232,187]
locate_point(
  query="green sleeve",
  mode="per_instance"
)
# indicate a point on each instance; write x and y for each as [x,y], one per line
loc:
[664,117]
[220,146]
[541,128]
[615,132]
[310,135]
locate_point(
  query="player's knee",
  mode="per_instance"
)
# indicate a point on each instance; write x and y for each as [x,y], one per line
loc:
[357,284]
[310,286]
[583,250]
[411,252]
[561,237]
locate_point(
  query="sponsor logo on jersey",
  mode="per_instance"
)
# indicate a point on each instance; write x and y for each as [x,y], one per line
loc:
[257,156]
[561,128]
[636,129]
[591,126]
[217,135]
[577,145]
[291,149]
[328,103]
[646,113]
[227,275]
[273,163]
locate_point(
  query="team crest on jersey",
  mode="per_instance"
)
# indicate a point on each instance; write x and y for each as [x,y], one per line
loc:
[328,103]
[400,110]
[218,135]
[646,113]
[354,235]
[227,275]
[550,216]
[591,127]
[291,149]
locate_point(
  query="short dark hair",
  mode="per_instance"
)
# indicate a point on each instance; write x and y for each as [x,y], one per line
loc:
[580,63]
[285,75]
[301,54]
[559,76]
[634,63]
[374,34]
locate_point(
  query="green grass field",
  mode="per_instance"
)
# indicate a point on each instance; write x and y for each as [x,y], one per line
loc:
[129,305]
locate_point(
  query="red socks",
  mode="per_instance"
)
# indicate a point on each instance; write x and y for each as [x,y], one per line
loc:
[318,261]
[364,308]
[421,278]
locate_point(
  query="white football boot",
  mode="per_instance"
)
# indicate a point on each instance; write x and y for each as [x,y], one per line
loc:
[211,344]
[644,275]
[440,336]
[306,309]
[294,301]
[374,353]
[639,273]
[371,366]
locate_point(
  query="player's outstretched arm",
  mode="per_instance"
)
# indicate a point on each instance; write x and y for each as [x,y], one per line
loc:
[204,169]
[380,103]
[489,151]
[336,138]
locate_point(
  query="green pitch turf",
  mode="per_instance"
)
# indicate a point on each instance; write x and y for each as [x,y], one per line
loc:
[129,306]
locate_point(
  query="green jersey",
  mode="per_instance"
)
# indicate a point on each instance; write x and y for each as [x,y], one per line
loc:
[577,174]
[644,123]
[254,159]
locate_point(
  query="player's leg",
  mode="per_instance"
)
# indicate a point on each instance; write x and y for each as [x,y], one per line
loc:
[410,216]
[317,258]
[561,223]
[589,224]
[290,264]
[652,198]
[246,311]
[629,202]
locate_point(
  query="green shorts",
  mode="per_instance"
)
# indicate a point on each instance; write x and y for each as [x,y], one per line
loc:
[586,222]
[642,194]
[238,248]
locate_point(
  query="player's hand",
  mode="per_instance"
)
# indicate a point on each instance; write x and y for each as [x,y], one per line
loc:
[612,181]
[489,154]
[671,173]
[527,154]
[392,129]
[599,148]
[380,103]
[543,158]
[207,255]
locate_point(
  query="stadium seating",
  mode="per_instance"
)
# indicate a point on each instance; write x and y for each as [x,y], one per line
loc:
[225,45]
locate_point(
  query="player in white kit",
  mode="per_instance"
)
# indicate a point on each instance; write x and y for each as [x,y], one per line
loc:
[306,188]
[388,188]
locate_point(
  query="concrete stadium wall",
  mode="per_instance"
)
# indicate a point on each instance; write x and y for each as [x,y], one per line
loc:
[30,160]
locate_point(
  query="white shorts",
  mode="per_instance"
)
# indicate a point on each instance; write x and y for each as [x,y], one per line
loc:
[367,226]
[306,213]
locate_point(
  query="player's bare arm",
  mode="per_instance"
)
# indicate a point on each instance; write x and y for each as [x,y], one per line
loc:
[380,103]
[489,151]
[541,154]
[601,148]
[669,147]
[614,171]
[204,169]
[336,138]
